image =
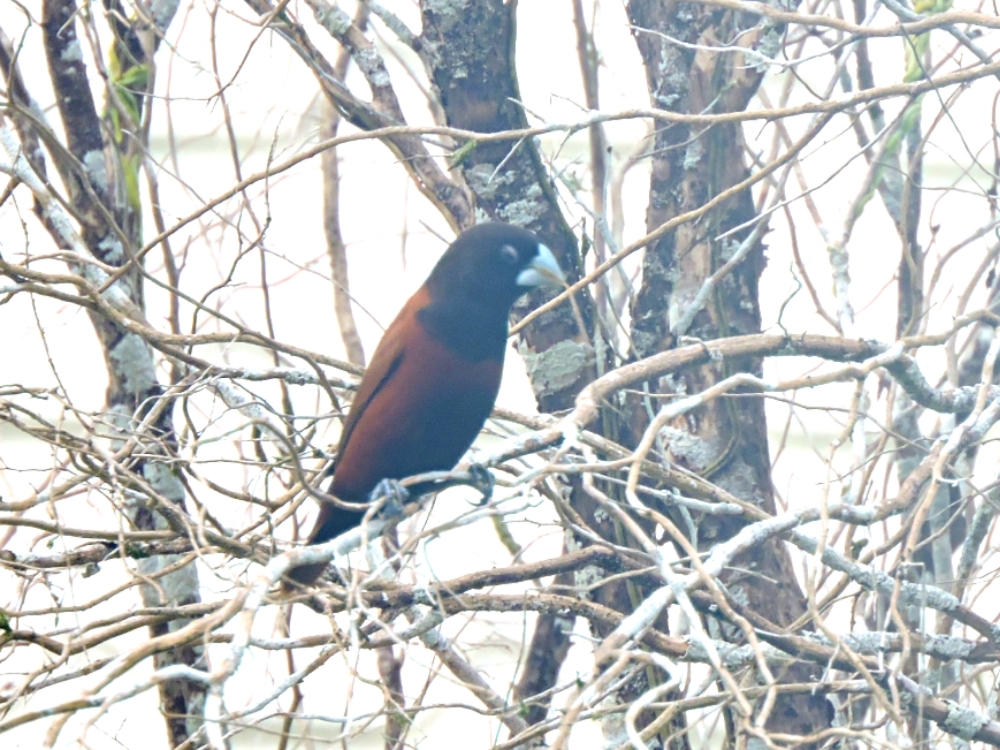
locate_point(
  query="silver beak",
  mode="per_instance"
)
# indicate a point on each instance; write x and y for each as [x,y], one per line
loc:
[542,271]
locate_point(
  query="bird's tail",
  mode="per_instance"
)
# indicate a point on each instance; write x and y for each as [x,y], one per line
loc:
[332,521]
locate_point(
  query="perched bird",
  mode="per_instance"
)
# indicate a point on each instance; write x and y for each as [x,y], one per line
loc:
[435,374]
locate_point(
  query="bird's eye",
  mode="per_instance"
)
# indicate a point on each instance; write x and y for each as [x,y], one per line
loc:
[510,255]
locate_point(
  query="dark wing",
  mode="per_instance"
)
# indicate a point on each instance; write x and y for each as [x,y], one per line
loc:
[333,520]
[384,364]
[421,414]
[418,408]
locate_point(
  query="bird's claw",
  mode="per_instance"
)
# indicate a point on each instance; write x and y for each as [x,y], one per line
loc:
[482,480]
[390,496]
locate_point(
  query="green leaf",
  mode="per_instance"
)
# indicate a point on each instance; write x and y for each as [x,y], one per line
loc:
[461,154]
[130,168]
[135,78]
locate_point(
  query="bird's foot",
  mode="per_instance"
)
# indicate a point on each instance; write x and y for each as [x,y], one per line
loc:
[388,498]
[482,480]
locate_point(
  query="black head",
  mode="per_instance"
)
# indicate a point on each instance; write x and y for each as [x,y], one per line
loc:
[477,280]
[493,264]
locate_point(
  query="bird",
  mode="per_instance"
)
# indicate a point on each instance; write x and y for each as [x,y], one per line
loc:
[435,374]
